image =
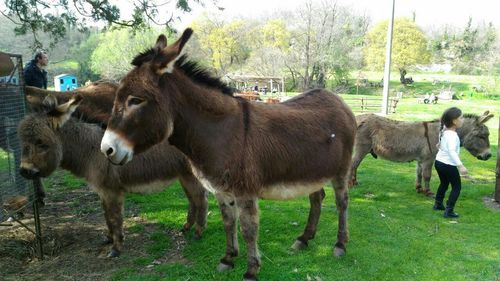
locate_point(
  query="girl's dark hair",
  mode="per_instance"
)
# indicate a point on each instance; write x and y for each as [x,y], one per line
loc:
[449,115]
[447,118]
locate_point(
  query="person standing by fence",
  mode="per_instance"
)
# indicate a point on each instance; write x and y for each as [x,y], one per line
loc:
[448,164]
[34,73]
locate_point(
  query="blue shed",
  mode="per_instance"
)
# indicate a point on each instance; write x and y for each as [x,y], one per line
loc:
[65,82]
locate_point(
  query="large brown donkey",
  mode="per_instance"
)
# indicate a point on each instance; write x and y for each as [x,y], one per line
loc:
[51,139]
[403,141]
[241,151]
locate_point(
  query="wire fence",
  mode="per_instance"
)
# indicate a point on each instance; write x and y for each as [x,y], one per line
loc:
[15,192]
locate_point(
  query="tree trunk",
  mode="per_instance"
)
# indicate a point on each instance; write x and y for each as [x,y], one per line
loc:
[497,186]
[402,74]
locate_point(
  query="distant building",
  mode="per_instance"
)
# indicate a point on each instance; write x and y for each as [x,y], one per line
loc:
[65,82]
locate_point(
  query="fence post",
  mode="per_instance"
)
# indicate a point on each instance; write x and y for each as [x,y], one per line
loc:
[497,186]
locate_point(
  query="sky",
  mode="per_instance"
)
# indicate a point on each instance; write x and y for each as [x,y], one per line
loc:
[429,13]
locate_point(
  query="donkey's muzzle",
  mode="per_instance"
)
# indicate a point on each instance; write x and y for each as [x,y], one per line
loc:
[484,156]
[29,173]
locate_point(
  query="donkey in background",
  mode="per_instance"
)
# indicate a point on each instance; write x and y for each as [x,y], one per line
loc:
[241,151]
[402,141]
[95,108]
[52,138]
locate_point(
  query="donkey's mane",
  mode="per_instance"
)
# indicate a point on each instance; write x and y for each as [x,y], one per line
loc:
[191,68]
[471,115]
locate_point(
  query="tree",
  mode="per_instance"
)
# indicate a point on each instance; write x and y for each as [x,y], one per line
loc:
[53,17]
[409,45]
[225,46]
[325,41]
[82,53]
[269,43]
[112,57]
[471,50]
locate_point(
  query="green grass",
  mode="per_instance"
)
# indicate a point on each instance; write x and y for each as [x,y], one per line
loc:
[462,85]
[394,233]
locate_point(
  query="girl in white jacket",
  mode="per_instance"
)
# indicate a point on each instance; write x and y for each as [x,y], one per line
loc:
[448,164]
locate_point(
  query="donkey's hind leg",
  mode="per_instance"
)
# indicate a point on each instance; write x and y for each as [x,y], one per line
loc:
[340,187]
[418,183]
[229,211]
[360,151]
[198,204]
[315,200]
[249,221]
[426,174]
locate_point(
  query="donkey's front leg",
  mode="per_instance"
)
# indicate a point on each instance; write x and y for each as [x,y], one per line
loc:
[315,200]
[249,223]
[229,211]
[112,203]
[342,201]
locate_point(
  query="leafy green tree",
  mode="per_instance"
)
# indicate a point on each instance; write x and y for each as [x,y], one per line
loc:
[225,45]
[82,53]
[54,17]
[409,45]
[112,57]
[472,50]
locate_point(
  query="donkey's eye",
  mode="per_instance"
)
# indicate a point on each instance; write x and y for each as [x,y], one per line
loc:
[134,101]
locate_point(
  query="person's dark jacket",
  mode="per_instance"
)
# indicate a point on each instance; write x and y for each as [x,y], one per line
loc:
[35,76]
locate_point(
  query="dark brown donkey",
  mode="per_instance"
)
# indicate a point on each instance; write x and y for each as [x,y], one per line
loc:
[240,150]
[402,141]
[51,139]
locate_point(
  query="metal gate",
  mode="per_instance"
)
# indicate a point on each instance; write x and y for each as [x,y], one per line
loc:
[16,193]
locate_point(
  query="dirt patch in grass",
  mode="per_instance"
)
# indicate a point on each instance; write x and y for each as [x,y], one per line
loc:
[490,202]
[73,229]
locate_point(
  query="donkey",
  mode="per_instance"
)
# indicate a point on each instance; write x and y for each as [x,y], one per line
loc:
[239,150]
[52,138]
[402,141]
[95,108]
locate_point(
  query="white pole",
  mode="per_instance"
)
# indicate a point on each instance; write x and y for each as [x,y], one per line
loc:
[387,67]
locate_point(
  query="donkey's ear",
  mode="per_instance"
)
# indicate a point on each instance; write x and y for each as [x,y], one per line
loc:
[161,42]
[71,105]
[486,116]
[173,52]
[49,103]
[63,112]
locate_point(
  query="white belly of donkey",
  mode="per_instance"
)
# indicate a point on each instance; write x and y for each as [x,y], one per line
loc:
[286,191]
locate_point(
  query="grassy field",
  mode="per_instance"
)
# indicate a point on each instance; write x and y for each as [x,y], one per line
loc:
[462,85]
[394,233]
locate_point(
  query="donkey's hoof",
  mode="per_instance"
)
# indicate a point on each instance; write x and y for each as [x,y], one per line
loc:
[249,277]
[185,228]
[428,192]
[339,250]
[113,253]
[106,241]
[298,245]
[196,236]
[224,267]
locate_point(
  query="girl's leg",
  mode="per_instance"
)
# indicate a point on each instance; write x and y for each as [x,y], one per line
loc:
[456,186]
[444,182]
